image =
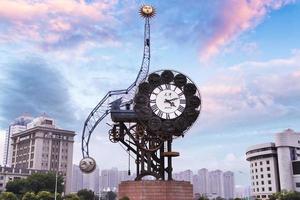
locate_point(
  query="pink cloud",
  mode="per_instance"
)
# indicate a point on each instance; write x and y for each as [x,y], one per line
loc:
[51,21]
[236,17]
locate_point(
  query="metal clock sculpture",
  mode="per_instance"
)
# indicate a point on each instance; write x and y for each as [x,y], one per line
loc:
[147,116]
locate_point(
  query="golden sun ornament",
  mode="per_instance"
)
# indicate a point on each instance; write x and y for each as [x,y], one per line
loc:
[147,11]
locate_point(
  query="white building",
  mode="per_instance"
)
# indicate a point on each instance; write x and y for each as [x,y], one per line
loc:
[216,184]
[275,166]
[204,181]
[77,179]
[228,184]
[18,125]
[211,184]
[42,146]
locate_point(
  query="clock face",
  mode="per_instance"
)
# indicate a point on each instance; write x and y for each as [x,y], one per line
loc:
[167,101]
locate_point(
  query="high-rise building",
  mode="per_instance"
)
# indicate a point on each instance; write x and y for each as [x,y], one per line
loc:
[77,179]
[216,183]
[275,166]
[211,184]
[228,184]
[43,146]
[18,125]
[91,181]
[204,182]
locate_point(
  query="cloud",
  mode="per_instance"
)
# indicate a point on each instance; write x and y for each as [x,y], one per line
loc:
[32,86]
[234,18]
[55,23]
[253,93]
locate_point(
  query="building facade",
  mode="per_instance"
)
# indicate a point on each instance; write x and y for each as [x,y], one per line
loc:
[204,181]
[42,146]
[275,166]
[263,170]
[228,184]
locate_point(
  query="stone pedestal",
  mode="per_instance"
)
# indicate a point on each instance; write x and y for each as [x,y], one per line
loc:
[156,190]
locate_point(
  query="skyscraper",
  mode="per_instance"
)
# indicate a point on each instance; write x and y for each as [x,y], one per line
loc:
[228,178]
[204,182]
[216,183]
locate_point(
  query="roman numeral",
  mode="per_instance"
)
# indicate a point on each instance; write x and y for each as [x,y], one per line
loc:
[160,88]
[154,108]
[180,108]
[168,87]
[174,88]
[160,113]
[167,116]
[152,101]
[182,101]
[180,94]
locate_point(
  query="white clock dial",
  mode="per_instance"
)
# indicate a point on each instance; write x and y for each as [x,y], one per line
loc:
[167,101]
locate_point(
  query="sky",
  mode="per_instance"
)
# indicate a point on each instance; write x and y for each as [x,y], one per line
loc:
[61,57]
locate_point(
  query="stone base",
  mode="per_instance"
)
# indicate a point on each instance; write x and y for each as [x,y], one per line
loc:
[156,190]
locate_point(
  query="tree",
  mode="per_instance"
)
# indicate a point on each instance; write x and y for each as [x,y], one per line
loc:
[71,197]
[285,195]
[17,187]
[111,195]
[44,195]
[35,183]
[203,198]
[29,196]
[45,182]
[8,196]
[86,194]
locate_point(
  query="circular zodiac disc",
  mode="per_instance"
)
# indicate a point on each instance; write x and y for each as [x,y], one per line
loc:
[87,165]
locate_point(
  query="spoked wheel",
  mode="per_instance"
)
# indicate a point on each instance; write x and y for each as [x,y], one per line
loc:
[144,139]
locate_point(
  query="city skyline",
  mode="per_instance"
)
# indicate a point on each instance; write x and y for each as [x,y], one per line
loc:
[243,55]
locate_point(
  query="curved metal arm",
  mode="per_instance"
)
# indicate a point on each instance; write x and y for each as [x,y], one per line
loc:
[103,107]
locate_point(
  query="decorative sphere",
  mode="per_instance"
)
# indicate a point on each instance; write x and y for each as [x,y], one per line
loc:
[87,165]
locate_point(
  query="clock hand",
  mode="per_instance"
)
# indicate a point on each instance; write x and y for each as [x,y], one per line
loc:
[170,102]
[173,99]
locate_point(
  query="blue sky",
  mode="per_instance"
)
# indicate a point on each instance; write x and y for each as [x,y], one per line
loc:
[61,57]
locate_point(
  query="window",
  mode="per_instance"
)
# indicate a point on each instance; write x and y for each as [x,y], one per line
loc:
[256,182]
[297,185]
[263,189]
[262,176]
[257,189]
[255,164]
[268,162]
[268,168]
[270,188]
[269,182]
[263,196]
[262,182]
[251,164]
[252,177]
[269,175]
[256,176]
[255,170]
[1,177]
[260,163]
[261,169]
